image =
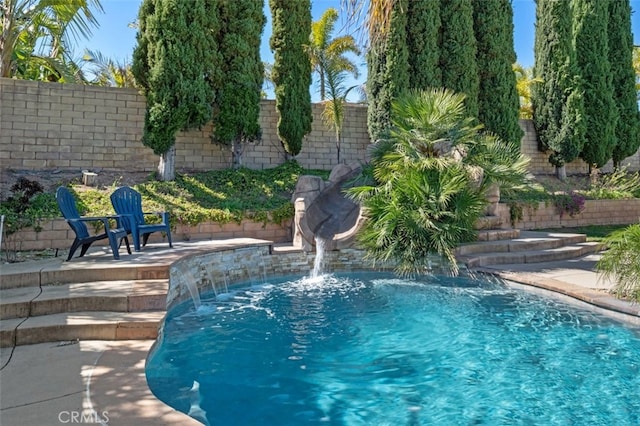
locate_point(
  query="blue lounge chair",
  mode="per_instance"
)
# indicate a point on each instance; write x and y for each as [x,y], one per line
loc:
[67,205]
[127,202]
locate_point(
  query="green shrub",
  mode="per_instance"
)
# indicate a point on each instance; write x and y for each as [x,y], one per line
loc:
[25,208]
[621,262]
[614,186]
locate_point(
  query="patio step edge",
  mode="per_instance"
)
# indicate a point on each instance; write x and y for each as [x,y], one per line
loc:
[118,296]
[530,256]
[73,326]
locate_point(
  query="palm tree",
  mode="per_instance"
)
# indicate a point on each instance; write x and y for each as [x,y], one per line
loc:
[376,14]
[621,262]
[329,61]
[268,83]
[36,36]
[109,72]
[328,55]
[524,82]
[428,181]
[334,105]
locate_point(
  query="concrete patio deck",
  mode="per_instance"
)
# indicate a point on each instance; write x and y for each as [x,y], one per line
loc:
[103,381]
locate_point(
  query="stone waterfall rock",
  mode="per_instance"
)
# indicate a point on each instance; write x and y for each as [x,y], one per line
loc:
[322,210]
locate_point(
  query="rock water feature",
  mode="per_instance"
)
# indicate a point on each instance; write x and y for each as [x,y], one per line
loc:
[323,211]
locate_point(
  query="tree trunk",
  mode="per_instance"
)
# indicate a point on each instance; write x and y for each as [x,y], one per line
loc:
[167,165]
[236,153]
[594,172]
[7,39]
[561,172]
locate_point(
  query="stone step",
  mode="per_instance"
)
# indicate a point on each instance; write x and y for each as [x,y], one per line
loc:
[488,223]
[530,256]
[117,296]
[527,241]
[498,234]
[58,272]
[72,326]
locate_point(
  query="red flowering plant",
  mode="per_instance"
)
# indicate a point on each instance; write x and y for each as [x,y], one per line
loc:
[571,203]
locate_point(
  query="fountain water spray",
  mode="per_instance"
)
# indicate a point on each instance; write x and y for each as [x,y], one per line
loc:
[209,271]
[186,279]
[318,264]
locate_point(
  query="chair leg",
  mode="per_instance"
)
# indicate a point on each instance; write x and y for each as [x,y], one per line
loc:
[136,239]
[126,241]
[74,247]
[84,249]
[113,242]
[169,236]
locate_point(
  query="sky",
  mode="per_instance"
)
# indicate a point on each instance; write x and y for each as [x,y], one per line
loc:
[116,40]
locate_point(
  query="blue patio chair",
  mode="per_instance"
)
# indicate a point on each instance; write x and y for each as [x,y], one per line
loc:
[127,202]
[67,206]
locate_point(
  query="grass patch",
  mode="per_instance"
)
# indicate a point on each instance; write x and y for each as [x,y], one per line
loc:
[595,233]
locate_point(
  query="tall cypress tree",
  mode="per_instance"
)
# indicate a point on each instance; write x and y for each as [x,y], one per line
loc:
[498,102]
[556,98]
[237,109]
[458,52]
[423,42]
[173,62]
[623,79]
[388,70]
[592,53]
[291,70]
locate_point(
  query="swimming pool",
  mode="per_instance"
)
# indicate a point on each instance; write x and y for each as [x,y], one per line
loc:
[372,349]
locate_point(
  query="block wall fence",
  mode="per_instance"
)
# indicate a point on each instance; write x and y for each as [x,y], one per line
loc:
[76,127]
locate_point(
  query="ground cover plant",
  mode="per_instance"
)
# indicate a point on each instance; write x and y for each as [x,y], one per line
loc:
[222,196]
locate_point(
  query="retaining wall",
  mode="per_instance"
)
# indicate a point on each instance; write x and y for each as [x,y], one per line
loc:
[596,212]
[56,234]
[76,127]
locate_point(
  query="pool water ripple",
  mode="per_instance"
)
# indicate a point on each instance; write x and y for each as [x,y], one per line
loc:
[371,349]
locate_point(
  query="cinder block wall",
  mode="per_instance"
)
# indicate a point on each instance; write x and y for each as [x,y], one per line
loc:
[540,165]
[56,126]
[56,234]
[596,212]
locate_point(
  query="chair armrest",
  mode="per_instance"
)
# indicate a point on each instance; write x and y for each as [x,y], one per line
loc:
[103,219]
[89,219]
[163,215]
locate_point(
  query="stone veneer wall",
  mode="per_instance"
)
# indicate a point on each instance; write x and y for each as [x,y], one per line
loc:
[75,127]
[252,264]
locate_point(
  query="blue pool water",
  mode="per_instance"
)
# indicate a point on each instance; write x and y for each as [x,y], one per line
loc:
[371,349]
